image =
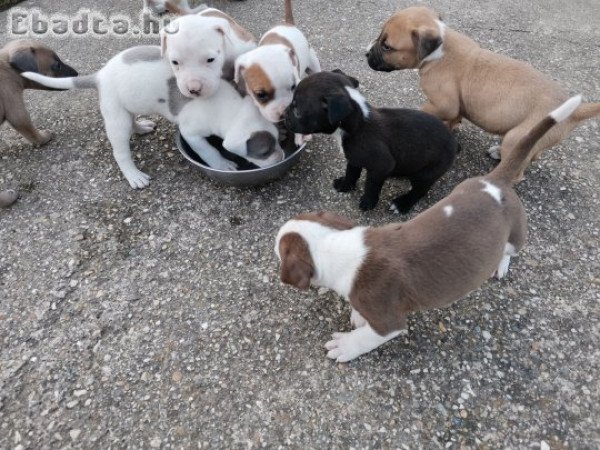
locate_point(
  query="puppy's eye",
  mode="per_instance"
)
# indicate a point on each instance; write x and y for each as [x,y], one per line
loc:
[56,66]
[209,60]
[385,47]
[261,96]
[293,86]
[175,63]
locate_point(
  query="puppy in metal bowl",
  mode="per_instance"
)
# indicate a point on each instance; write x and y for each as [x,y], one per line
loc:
[247,173]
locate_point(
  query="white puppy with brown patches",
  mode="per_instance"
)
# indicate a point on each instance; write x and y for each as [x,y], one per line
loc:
[270,73]
[428,262]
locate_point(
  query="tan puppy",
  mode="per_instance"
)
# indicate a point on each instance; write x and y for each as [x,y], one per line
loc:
[26,56]
[428,262]
[460,79]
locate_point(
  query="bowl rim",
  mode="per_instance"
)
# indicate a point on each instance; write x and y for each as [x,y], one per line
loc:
[179,138]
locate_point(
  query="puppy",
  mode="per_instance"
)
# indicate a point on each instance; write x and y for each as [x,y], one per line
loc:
[202,50]
[270,73]
[428,262]
[460,79]
[385,142]
[173,6]
[21,56]
[139,81]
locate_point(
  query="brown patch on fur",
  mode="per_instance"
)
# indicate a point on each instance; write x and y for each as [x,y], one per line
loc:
[272,38]
[297,266]
[257,81]
[499,94]
[327,219]
[240,31]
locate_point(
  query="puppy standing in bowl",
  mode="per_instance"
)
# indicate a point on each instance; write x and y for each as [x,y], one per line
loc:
[428,262]
[460,79]
[271,72]
[386,142]
[141,81]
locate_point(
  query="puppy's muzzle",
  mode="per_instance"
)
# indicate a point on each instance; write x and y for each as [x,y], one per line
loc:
[375,59]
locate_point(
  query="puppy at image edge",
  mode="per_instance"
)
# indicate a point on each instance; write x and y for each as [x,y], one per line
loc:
[428,262]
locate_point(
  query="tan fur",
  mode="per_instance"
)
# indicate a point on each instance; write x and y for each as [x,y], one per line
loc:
[272,38]
[257,80]
[497,93]
[12,105]
[240,31]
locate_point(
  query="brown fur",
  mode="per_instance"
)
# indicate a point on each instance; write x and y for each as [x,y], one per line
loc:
[28,56]
[497,93]
[327,219]
[256,80]
[297,266]
[274,38]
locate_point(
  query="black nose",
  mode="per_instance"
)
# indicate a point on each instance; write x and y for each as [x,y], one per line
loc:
[195,92]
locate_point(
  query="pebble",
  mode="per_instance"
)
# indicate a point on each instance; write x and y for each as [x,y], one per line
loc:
[486,335]
[79,393]
[74,434]
[72,404]
[155,443]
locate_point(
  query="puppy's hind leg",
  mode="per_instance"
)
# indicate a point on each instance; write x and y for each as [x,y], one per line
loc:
[509,251]
[345,347]
[420,187]
[19,118]
[119,127]
[208,153]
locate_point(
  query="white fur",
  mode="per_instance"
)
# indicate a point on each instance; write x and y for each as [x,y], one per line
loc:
[438,53]
[127,90]
[356,320]
[448,210]
[280,67]
[494,191]
[494,152]
[360,101]
[337,255]
[566,109]
[345,347]
[338,136]
[509,251]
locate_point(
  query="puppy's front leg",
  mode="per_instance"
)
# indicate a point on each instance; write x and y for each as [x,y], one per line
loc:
[348,182]
[19,118]
[208,153]
[345,347]
[373,187]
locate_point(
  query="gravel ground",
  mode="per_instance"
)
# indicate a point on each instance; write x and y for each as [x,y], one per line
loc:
[155,318]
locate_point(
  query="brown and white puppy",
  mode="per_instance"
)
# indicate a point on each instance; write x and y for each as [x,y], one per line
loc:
[26,56]
[270,73]
[460,79]
[428,262]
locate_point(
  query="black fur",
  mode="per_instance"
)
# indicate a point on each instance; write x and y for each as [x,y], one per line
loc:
[389,143]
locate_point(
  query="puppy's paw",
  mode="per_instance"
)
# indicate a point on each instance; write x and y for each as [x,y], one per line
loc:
[343,185]
[224,164]
[144,127]
[367,203]
[356,320]
[137,179]
[45,136]
[343,347]
[401,205]
[502,270]
[494,152]
[301,139]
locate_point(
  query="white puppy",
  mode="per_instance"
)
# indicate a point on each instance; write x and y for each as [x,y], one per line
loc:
[139,81]
[202,49]
[270,73]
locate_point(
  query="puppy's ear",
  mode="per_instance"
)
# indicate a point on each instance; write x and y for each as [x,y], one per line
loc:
[294,58]
[352,80]
[338,108]
[24,60]
[296,262]
[426,40]
[238,78]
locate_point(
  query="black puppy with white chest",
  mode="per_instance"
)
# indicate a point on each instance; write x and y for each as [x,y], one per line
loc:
[386,142]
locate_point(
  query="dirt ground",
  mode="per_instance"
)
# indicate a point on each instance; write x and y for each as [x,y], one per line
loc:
[156,318]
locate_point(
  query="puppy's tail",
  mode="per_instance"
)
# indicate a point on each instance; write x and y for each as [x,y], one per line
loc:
[83,82]
[587,111]
[289,13]
[511,166]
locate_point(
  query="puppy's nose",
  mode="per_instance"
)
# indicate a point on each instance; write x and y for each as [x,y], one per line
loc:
[196,92]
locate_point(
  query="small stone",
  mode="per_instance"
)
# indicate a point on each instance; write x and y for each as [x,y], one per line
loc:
[74,434]
[128,220]
[72,404]
[155,443]
[73,283]
[442,327]
[464,414]
[79,237]
[177,376]
[571,216]
[486,335]
[79,393]
[544,446]
[535,346]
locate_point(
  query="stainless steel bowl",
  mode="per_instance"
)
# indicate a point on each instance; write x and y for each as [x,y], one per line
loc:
[240,178]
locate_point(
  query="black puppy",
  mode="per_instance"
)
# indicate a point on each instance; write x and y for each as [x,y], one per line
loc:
[386,142]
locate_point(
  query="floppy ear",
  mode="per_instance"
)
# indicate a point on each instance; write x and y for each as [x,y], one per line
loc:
[426,41]
[296,262]
[24,60]
[294,58]
[238,78]
[338,108]
[352,80]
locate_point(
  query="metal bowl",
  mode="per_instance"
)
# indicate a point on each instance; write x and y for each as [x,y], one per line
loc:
[249,174]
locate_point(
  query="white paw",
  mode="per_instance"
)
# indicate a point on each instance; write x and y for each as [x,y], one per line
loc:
[356,320]
[494,152]
[301,139]
[343,347]
[137,179]
[503,267]
[144,126]
[224,164]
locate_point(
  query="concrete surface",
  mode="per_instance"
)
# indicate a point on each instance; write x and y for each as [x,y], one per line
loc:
[155,318]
